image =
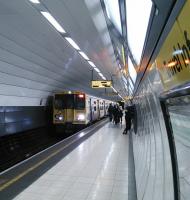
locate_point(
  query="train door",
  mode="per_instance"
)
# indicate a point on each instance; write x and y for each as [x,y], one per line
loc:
[91,110]
[94,109]
[98,108]
[101,108]
[104,107]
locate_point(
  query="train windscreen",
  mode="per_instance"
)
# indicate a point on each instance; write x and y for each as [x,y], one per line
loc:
[64,101]
[79,101]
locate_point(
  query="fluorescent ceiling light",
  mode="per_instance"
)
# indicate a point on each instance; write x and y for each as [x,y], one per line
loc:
[34,1]
[114,89]
[103,78]
[100,74]
[92,64]
[84,55]
[72,43]
[96,69]
[53,21]
[138,14]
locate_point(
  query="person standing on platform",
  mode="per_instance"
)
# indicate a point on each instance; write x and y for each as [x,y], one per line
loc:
[120,114]
[116,114]
[110,112]
[127,121]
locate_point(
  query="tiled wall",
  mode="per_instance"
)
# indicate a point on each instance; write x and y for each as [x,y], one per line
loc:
[179,110]
[151,149]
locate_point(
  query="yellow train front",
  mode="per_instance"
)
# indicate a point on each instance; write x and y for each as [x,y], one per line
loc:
[74,110]
[69,111]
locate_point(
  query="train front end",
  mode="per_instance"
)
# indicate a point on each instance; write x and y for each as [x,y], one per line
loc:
[69,110]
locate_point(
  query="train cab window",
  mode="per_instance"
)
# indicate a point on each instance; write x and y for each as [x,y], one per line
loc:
[70,101]
[79,101]
[64,101]
[59,102]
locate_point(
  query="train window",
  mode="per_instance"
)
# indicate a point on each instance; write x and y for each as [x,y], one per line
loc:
[59,102]
[94,108]
[79,101]
[70,101]
[64,101]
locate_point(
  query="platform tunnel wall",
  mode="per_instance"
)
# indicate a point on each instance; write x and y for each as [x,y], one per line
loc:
[153,169]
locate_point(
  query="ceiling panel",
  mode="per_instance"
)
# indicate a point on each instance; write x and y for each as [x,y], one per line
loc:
[30,48]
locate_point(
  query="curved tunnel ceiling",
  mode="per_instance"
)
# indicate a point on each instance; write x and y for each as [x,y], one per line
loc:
[35,60]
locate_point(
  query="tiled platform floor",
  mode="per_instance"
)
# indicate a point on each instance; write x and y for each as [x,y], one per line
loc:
[96,170]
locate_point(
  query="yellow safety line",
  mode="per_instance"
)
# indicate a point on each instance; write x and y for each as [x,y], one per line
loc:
[7,184]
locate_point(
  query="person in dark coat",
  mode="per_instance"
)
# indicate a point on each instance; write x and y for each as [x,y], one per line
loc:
[116,114]
[120,114]
[110,112]
[127,121]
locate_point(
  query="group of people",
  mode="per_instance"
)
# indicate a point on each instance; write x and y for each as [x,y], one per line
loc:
[116,113]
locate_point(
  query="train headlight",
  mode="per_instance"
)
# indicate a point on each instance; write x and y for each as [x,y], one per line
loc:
[59,117]
[80,117]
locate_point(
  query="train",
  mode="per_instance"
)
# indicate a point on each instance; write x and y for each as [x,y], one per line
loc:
[73,110]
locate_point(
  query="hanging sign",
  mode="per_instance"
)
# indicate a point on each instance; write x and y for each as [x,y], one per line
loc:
[101,84]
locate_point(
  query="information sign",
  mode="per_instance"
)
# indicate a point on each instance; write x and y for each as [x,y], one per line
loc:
[101,84]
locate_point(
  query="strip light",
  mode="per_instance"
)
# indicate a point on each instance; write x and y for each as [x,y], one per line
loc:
[121,97]
[117,92]
[84,55]
[92,64]
[53,21]
[96,69]
[59,28]
[114,89]
[101,75]
[72,43]
[35,1]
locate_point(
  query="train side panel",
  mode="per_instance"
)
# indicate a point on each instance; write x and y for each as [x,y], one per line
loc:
[94,105]
[101,107]
[88,109]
